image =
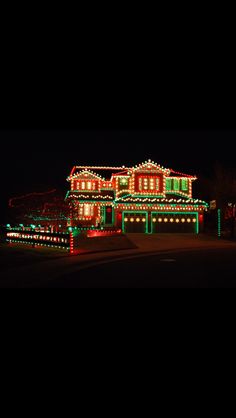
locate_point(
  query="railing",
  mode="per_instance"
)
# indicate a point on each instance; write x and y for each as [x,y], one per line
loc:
[38,238]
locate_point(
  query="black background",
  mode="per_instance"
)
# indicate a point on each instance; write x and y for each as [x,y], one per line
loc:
[182,120]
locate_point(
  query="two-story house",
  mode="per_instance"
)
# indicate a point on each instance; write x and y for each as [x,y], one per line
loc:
[147,198]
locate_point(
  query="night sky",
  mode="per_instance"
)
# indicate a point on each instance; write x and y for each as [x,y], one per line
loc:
[39,160]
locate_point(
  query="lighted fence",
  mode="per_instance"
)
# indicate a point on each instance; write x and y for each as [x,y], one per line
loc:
[69,239]
[39,238]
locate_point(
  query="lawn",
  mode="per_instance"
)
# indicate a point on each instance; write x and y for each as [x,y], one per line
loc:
[16,255]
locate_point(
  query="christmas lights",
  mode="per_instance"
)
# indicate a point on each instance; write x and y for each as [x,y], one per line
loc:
[30,236]
[29,195]
[219,222]
[146,188]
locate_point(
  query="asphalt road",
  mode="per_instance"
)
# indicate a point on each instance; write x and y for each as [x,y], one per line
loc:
[196,269]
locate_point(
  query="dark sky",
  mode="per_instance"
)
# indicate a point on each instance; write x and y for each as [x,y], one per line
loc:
[37,160]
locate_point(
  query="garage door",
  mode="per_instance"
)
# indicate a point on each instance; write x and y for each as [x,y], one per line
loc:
[135,222]
[175,223]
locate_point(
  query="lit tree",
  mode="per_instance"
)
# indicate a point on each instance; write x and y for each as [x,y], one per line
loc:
[222,188]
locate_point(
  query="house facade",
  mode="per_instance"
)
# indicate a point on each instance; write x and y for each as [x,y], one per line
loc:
[147,198]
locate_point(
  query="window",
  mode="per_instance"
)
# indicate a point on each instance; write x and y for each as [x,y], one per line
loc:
[88,185]
[176,185]
[140,184]
[152,184]
[145,184]
[149,184]
[86,210]
[184,185]
[168,184]
[123,183]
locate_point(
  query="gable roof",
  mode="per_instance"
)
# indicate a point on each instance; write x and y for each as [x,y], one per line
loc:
[107,173]
[151,165]
[104,173]
[85,172]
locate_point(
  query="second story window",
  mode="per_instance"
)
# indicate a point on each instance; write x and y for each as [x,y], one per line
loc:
[87,185]
[149,184]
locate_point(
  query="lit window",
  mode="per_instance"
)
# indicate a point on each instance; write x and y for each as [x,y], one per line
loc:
[176,184]
[184,185]
[149,184]
[86,210]
[140,184]
[152,184]
[123,182]
[83,185]
[81,210]
[89,185]
[168,184]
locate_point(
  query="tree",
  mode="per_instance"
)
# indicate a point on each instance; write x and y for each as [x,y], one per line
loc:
[222,188]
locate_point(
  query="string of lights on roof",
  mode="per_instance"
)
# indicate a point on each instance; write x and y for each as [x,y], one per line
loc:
[74,176]
[83,196]
[183,175]
[139,199]
[151,165]
[145,165]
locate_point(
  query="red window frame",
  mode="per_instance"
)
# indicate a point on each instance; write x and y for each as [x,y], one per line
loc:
[155,190]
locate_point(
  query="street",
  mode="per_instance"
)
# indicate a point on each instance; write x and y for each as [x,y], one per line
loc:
[154,261]
[197,269]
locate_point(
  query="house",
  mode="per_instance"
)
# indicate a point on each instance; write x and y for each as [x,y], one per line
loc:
[147,198]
